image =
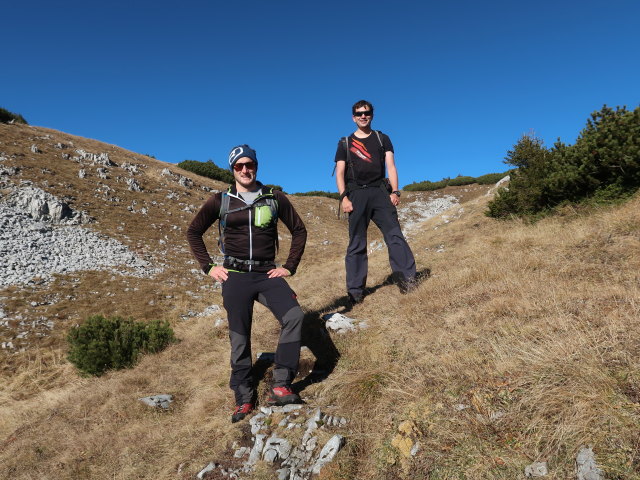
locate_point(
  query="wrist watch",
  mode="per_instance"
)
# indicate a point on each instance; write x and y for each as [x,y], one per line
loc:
[396,193]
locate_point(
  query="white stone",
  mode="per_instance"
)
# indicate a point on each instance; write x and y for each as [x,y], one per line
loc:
[256,451]
[586,468]
[292,407]
[340,323]
[161,401]
[328,452]
[415,449]
[536,469]
[283,473]
[207,469]
[281,445]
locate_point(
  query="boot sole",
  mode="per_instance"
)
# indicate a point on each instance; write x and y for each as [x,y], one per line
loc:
[286,400]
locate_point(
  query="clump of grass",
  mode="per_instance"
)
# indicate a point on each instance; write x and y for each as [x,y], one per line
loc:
[104,343]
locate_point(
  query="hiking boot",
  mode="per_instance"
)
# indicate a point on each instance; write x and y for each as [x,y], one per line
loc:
[241,411]
[407,286]
[355,299]
[283,396]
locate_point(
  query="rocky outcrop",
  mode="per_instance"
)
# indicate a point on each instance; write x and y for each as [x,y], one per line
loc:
[95,158]
[291,459]
[40,236]
[180,179]
[44,207]
[414,213]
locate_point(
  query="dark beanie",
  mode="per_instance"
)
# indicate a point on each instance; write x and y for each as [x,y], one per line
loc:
[239,152]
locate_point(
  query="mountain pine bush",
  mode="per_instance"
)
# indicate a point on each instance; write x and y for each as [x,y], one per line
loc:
[207,169]
[426,185]
[460,180]
[6,116]
[102,344]
[603,164]
[318,193]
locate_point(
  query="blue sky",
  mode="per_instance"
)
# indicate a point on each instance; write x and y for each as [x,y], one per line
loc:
[454,84]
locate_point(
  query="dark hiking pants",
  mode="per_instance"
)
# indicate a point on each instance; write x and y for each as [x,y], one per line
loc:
[239,292]
[373,204]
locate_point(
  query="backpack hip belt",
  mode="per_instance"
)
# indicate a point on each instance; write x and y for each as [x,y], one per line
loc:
[237,263]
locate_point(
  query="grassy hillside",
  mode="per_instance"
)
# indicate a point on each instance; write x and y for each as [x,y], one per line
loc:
[521,346]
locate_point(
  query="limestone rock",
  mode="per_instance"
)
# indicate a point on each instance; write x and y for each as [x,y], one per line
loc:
[328,452]
[256,451]
[44,207]
[131,168]
[209,468]
[276,449]
[586,468]
[414,213]
[133,185]
[185,182]
[340,323]
[536,469]
[159,401]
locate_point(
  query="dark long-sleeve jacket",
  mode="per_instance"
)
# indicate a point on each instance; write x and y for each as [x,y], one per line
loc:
[244,240]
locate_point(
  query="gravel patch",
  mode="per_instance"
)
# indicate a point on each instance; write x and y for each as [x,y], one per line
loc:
[30,248]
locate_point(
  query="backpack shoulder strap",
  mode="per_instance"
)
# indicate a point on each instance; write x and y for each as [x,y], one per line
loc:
[346,149]
[349,162]
[269,199]
[378,132]
[222,218]
[272,201]
[224,204]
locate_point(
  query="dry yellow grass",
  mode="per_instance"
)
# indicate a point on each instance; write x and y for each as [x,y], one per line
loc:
[521,346]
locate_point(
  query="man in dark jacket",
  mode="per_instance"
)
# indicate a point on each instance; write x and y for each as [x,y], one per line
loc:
[360,178]
[248,213]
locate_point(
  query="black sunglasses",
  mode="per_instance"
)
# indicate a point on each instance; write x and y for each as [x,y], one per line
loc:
[366,113]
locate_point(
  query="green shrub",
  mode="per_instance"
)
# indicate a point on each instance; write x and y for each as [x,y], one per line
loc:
[461,180]
[101,344]
[602,165]
[6,116]
[490,178]
[207,169]
[318,193]
[426,185]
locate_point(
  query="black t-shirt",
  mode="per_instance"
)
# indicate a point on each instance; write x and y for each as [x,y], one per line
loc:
[365,163]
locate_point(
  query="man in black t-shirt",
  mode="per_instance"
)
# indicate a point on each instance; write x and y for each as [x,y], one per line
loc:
[360,177]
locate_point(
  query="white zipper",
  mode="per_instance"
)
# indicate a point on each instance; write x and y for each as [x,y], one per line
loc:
[250,240]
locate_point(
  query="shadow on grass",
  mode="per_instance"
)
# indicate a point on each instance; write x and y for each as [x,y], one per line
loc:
[316,337]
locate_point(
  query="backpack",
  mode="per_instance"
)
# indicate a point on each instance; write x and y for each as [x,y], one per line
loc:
[265,213]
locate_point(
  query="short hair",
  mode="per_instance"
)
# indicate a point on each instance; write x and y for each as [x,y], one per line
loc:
[360,104]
